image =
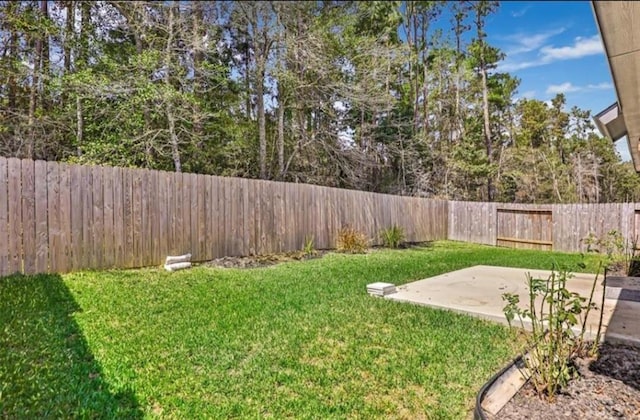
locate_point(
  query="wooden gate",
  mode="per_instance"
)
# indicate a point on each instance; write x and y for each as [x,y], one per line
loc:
[524,228]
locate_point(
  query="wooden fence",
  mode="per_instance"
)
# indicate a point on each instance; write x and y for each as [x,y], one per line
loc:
[561,227]
[57,217]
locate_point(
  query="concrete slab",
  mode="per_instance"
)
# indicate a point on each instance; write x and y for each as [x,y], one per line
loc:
[478,290]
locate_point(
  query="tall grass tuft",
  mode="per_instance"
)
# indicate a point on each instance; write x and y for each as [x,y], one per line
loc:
[392,237]
[351,241]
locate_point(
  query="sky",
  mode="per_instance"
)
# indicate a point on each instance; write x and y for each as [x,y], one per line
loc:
[555,47]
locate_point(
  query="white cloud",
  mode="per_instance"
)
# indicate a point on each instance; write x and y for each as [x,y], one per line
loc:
[520,13]
[565,87]
[581,47]
[509,66]
[603,85]
[568,87]
[526,43]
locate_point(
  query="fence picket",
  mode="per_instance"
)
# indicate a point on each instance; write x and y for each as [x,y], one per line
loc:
[53,211]
[28,192]
[42,235]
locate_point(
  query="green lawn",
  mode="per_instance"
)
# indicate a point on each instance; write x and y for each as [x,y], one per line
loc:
[301,339]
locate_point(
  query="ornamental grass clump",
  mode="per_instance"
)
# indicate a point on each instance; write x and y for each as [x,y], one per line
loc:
[392,237]
[351,241]
[308,247]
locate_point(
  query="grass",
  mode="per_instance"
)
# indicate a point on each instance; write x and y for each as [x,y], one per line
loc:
[300,339]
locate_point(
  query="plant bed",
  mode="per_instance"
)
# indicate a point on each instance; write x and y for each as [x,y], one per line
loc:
[257,261]
[568,377]
[606,388]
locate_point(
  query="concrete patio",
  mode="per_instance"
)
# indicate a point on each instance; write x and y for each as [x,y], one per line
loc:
[478,290]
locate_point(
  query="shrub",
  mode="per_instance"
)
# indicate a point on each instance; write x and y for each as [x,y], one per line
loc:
[352,241]
[392,237]
[553,343]
[616,253]
[308,248]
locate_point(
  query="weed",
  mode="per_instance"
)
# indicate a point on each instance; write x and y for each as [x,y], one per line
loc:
[351,241]
[392,237]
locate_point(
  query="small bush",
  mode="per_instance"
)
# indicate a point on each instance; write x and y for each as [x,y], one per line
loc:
[553,343]
[351,241]
[616,253]
[392,237]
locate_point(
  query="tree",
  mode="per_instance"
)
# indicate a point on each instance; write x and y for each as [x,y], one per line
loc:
[485,58]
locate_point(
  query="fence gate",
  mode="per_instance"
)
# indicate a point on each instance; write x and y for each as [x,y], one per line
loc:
[525,228]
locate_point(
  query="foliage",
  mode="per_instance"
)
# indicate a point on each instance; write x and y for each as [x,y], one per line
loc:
[616,252]
[553,312]
[308,248]
[221,343]
[351,240]
[325,93]
[392,237]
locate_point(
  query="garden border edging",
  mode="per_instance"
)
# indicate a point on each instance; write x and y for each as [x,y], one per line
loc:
[502,387]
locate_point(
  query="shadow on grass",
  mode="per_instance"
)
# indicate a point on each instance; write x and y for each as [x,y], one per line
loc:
[46,367]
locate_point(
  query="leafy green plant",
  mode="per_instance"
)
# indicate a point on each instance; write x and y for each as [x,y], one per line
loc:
[392,237]
[351,241]
[615,252]
[308,248]
[554,312]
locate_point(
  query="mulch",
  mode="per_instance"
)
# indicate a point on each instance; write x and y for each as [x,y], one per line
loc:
[257,261]
[606,388]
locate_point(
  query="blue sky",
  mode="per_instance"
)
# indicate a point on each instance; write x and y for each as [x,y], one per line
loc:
[554,47]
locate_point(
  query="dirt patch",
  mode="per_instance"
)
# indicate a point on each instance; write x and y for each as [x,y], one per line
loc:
[257,261]
[607,388]
[622,269]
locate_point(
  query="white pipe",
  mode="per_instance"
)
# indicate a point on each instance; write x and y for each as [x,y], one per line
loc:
[177,266]
[178,259]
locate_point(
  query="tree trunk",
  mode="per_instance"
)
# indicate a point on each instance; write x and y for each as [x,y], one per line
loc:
[79,125]
[247,78]
[68,45]
[139,44]
[261,51]
[425,78]
[35,81]
[44,11]
[487,130]
[480,13]
[173,137]
[197,63]
[280,131]
[262,133]
[282,38]
[82,57]
[13,46]
[175,151]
